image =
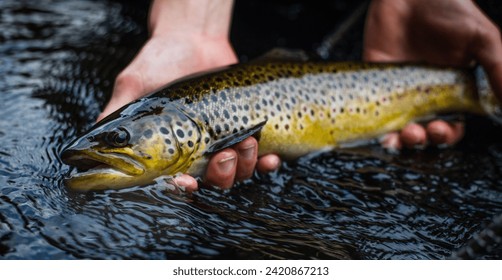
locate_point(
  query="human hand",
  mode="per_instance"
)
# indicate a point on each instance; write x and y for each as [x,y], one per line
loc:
[187,37]
[443,32]
[164,59]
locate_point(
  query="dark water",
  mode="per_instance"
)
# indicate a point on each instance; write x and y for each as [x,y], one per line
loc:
[58,61]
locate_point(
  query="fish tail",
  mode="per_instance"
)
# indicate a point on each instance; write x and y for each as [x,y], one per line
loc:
[489,102]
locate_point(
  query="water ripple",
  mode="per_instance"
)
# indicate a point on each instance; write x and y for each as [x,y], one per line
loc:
[57,66]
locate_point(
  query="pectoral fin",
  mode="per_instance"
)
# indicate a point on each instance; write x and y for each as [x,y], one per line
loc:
[235,138]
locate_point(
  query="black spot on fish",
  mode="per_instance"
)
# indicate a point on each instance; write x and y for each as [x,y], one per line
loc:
[223,96]
[205,117]
[167,141]
[246,107]
[276,126]
[226,114]
[190,144]
[206,102]
[190,133]
[245,119]
[286,126]
[171,151]
[214,98]
[180,133]
[227,127]
[164,130]
[206,140]
[257,106]
[234,108]
[148,133]
[278,107]
[236,119]
[217,129]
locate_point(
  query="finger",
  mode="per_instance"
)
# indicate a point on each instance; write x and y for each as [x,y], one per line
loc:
[391,141]
[487,49]
[268,163]
[413,136]
[222,168]
[187,182]
[247,152]
[441,132]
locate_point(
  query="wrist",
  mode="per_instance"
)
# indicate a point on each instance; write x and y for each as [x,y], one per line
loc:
[208,19]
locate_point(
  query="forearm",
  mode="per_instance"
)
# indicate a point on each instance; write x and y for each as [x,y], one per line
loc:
[202,18]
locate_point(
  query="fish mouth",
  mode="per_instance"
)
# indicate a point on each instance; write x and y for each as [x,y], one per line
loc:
[90,162]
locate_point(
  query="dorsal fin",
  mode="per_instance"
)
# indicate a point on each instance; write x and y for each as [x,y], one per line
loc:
[281,54]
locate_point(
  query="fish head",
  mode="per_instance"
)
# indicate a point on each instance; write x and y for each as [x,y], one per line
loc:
[133,146]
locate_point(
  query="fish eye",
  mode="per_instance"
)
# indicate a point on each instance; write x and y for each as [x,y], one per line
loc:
[118,138]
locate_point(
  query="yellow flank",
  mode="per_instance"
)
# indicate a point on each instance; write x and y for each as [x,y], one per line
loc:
[364,120]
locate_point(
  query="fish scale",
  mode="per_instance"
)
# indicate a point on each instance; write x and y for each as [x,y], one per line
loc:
[293,108]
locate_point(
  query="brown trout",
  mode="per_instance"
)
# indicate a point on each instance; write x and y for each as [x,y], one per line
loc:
[293,108]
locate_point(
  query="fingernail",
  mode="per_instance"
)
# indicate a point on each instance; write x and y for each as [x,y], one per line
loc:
[390,142]
[275,163]
[227,164]
[247,152]
[185,183]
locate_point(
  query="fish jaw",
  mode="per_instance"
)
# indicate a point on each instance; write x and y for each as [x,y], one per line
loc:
[101,170]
